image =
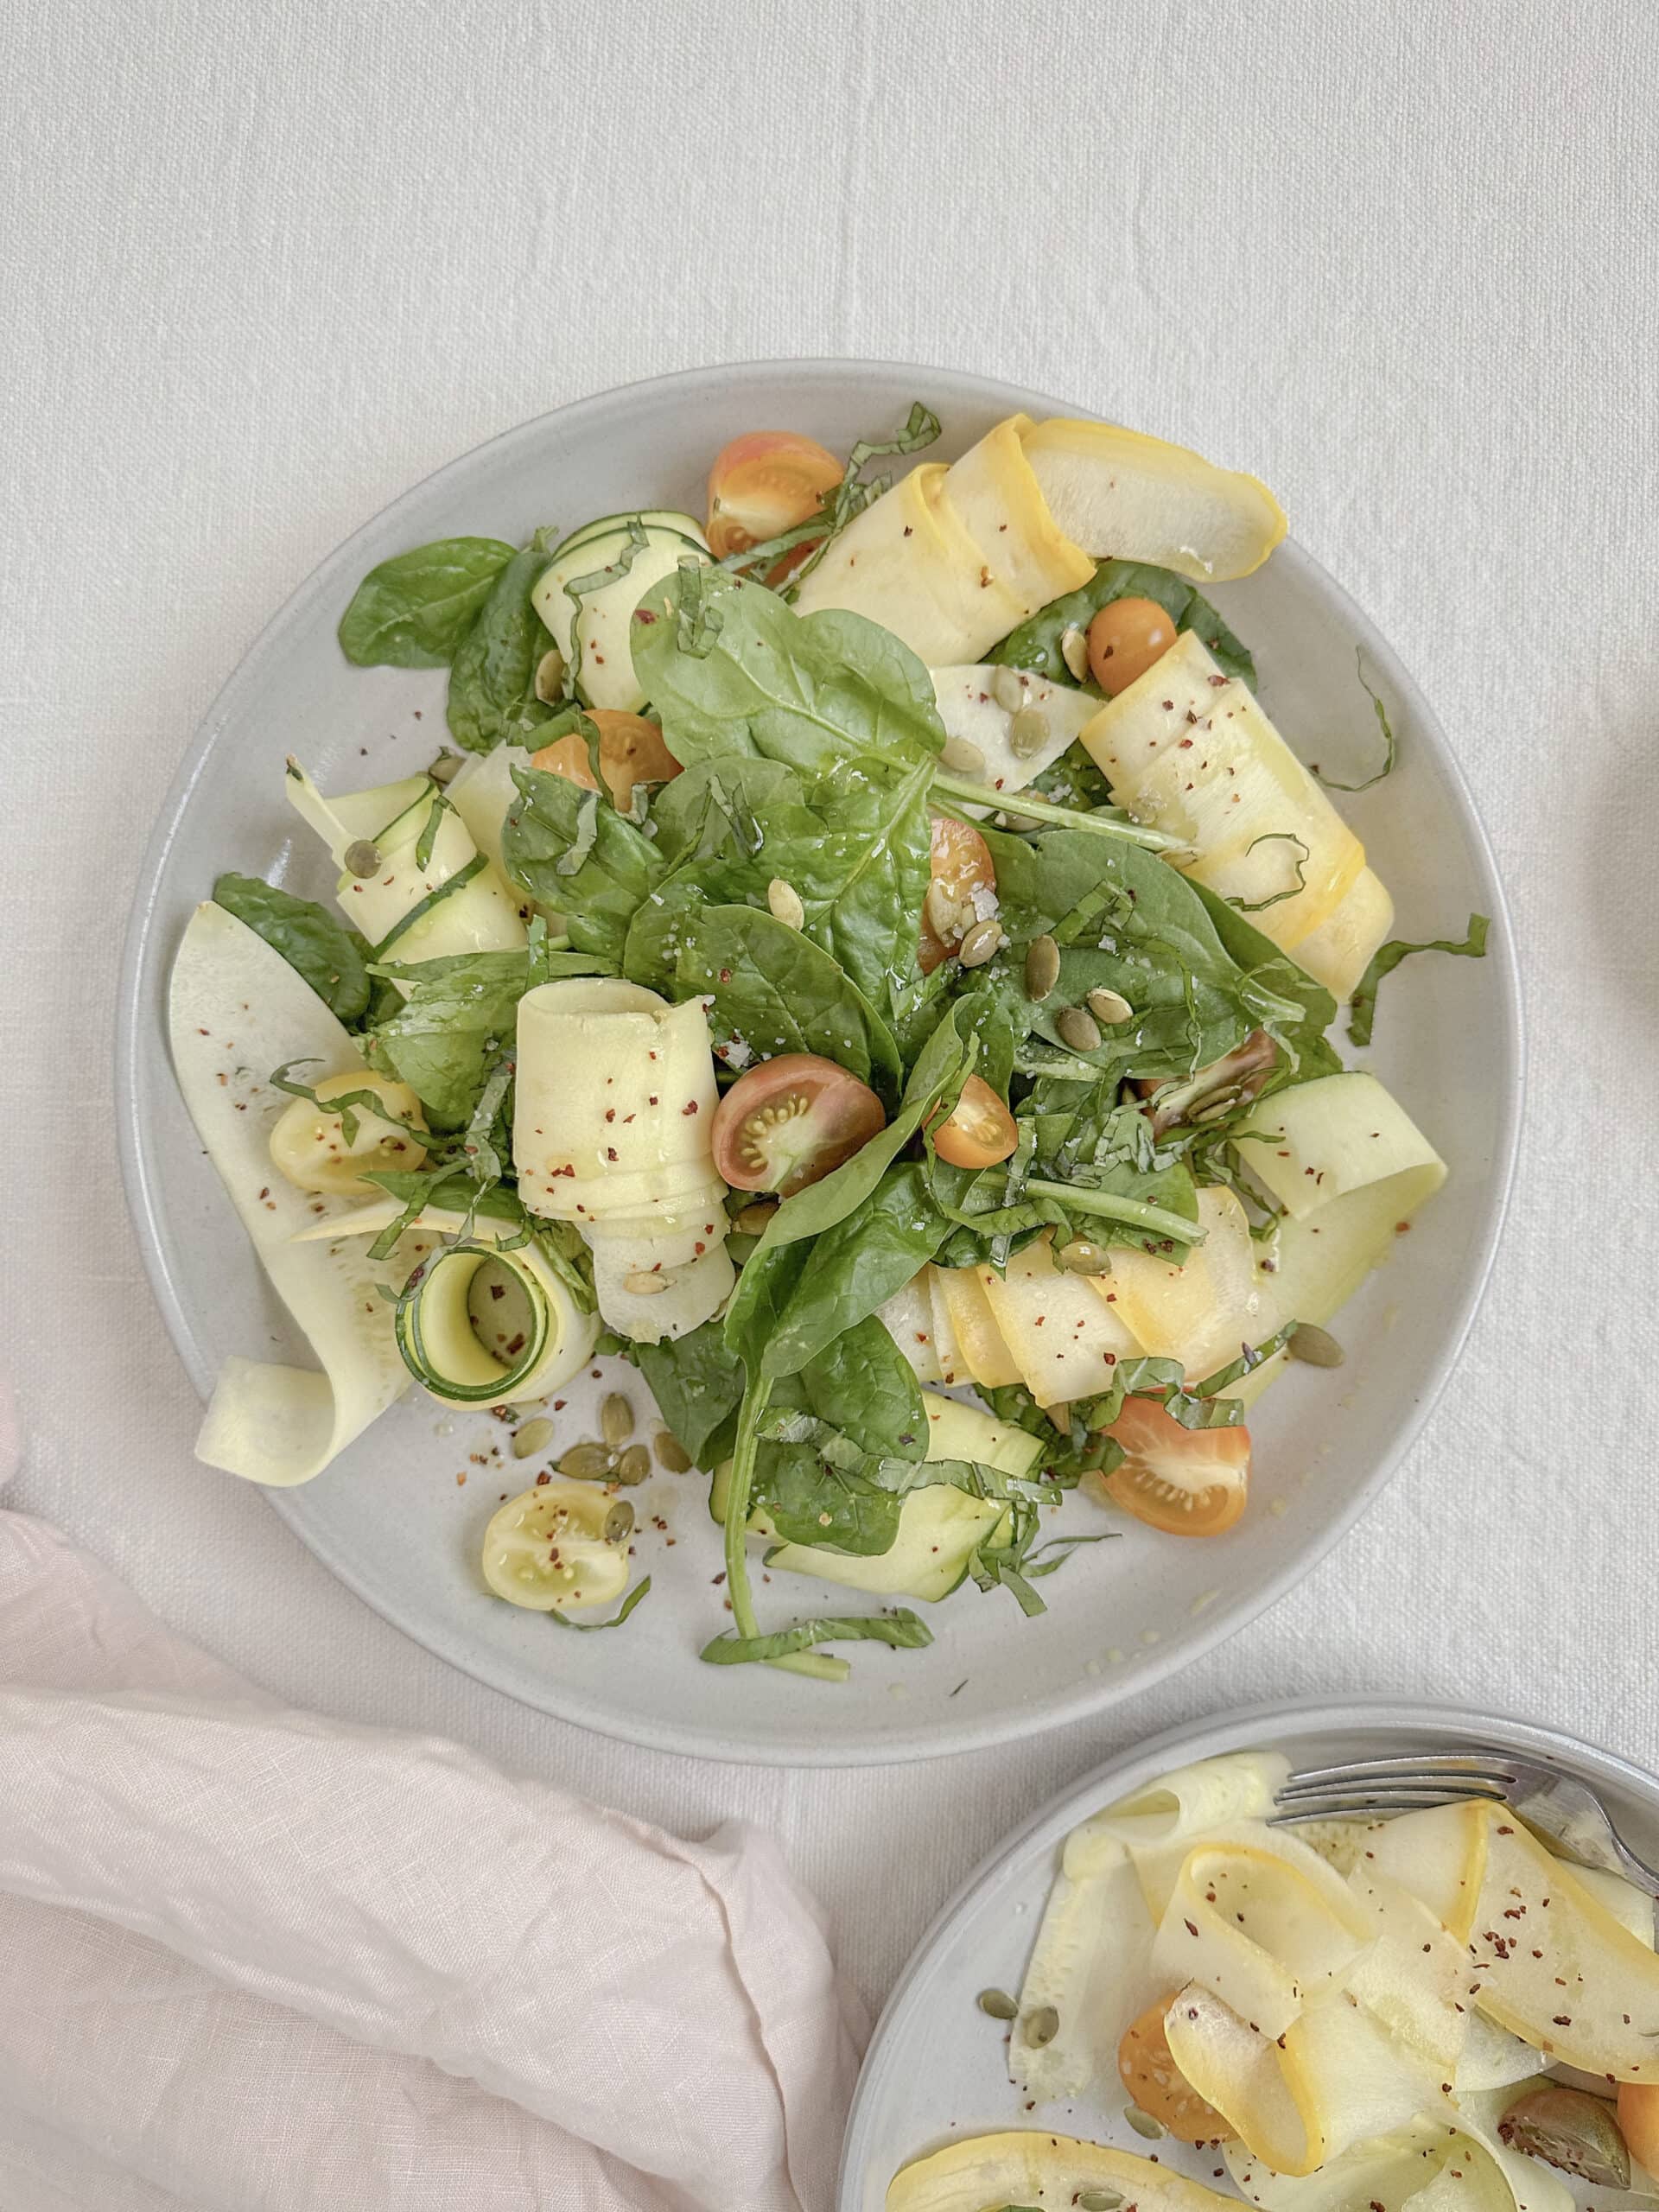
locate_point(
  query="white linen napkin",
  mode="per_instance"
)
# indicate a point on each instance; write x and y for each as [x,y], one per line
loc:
[255,1961]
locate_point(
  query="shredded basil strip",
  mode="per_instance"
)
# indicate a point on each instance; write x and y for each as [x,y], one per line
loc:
[902,1630]
[345,1105]
[1275,837]
[579,588]
[455,882]
[1362,1012]
[590,1628]
[429,836]
[1390,748]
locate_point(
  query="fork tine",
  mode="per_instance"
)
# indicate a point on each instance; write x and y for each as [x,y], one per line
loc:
[1472,1767]
[1359,1804]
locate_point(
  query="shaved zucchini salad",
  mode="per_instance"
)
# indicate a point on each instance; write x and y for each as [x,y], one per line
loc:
[866,943]
[1413,2014]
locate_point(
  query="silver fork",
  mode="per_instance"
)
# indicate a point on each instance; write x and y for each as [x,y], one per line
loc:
[1566,1815]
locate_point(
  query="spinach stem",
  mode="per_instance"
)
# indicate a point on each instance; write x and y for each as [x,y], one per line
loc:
[822,1665]
[1044,811]
[1136,1211]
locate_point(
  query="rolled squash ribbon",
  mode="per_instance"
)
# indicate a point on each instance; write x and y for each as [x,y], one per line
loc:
[482,1327]
[955,557]
[1026,2167]
[236,1010]
[614,1111]
[433,893]
[1187,749]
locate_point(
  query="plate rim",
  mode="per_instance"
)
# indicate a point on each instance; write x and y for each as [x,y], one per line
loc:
[135,1013]
[1238,1728]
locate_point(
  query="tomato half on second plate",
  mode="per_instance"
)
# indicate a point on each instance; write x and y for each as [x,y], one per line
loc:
[1188,1481]
[790,1122]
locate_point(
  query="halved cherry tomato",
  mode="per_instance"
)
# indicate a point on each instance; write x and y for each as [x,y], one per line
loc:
[1638,2117]
[979,1130]
[1148,2070]
[961,863]
[763,483]
[789,1122]
[1188,1481]
[1125,639]
[632,751]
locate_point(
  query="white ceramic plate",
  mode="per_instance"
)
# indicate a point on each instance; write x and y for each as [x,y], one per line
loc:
[390,1518]
[935,2068]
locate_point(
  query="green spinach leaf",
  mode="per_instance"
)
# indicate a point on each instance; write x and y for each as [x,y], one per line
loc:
[413,610]
[460,1013]
[618,865]
[1036,644]
[492,680]
[698,1385]
[773,992]
[332,958]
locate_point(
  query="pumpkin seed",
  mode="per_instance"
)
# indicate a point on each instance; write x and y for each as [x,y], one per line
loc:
[1318,1347]
[645,1282]
[784,902]
[1042,967]
[1570,2129]
[1074,651]
[634,1464]
[362,858]
[998,2003]
[1008,690]
[1109,1008]
[1080,1257]
[549,677]
[1097,2200]
[618,1522]
[535,1436]
[1042,2026]
[1078,1029]
[944,911]
[752,1222]
[445,768]
[672,1454]
[616,1419]
[962,758]
[1027,732]
[586,1463]
[1144,2124]
[983,942]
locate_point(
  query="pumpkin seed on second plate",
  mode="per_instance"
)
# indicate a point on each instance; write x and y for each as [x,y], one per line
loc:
[1078,1030]
[1042,967]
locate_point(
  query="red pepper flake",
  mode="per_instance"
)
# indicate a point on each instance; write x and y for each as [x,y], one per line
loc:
[644,614]
[689,1107]
[460,1481]
[517,1343]
[610,1113]
[1217,681]
[542,1477]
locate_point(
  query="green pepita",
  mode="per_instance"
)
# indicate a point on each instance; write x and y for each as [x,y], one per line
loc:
[634,1464]
[535,1436]
[362,858]
[753,1220]
[1042,2026]
[1144,2124]
[998,2003]
[945,913]
[1318,1347]
[1080,1257]
[1042,967]
[616,1419]
[1097,2200]
[618,1522]
[1027,732]
[549,677]
[1074,651]
[961,758]
[586,1463]
[1108,1006]
[1008,689]
[1078,1030]
[445,768]
[645,1282]
[983,942]
[672,1454]
[784,903]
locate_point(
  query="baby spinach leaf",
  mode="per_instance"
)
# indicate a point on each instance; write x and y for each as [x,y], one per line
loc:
[492,680]
[618,866]
[332,958]
[809,1501]
[774,991]
[413,610]
[444,1039]
[805,689]
[854,1268]
[1362,1012]
[1036,644]
[862,1385]
[698,1385]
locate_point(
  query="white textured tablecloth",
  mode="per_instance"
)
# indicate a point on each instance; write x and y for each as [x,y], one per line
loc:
[265,266]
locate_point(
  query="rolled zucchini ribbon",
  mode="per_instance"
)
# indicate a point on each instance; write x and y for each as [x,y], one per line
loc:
[236,1010]
[614,1110]
[1344,1161]
[1187,750]
[432,894]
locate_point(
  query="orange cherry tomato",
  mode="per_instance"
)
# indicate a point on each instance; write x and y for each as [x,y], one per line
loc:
[1638,2121]
[961,861]
[1148,2070]
[763,483]
[1125,639]
[790,1122]
[631,751]
[1188,1481]
[979,1130]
